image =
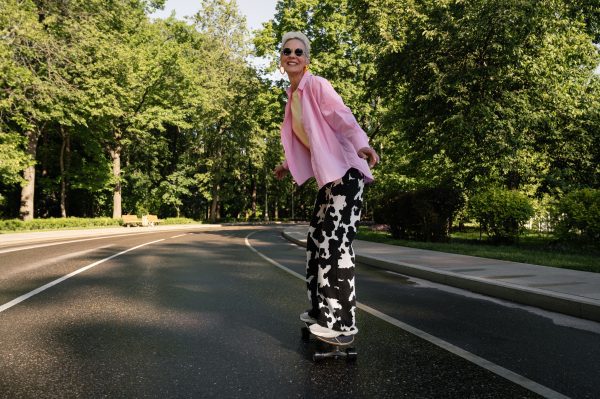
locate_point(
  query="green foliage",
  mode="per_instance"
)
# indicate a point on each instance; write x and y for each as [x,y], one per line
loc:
[501,213]
[578,215]
[12,159]
[588,12]
[176,186]
[56,223]
[177,221]
[489,92]
[74,223]
[425,214]
[171,115]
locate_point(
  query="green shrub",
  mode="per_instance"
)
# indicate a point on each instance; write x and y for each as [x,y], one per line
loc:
[542,220]
[178,221]
[501,213]
[425,214]
[56,223]
[578,215]
[73,223]
[11,225]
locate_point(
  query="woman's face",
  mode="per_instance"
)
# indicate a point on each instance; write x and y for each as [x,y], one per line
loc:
[291,62]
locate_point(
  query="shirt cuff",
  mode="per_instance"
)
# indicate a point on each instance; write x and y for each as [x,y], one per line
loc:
[360,140]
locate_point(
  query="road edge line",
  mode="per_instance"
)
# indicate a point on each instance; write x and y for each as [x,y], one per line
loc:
[470,357]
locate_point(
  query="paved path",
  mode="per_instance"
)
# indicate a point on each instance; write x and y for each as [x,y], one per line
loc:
[571,292]
[198,314]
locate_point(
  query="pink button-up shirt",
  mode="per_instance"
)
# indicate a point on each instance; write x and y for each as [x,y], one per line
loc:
[333,133]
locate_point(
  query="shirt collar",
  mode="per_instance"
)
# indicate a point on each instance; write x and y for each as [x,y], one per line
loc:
[302,83]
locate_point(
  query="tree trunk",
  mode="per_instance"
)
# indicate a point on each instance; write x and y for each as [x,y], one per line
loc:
[216,168]
[28,190]
[65,156]
[293,189]
[266,197]
[254,196]
[115,154]
[215,201]
[276,215]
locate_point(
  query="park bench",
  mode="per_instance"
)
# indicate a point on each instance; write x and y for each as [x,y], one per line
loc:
[131,220]
[151,220]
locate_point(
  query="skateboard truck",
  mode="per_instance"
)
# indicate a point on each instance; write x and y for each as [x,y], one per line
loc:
[339,346]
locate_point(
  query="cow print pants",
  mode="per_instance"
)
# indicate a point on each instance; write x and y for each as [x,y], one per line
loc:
[329,254]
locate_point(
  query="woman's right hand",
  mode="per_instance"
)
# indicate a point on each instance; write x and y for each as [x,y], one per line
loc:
[280,172]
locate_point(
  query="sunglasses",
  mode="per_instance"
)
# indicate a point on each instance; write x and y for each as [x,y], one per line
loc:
[288,51]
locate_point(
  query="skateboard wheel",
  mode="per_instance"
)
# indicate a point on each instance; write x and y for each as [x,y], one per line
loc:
[305,333]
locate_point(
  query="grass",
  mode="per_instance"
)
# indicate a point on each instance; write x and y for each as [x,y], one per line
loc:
[50,224]
[532,248]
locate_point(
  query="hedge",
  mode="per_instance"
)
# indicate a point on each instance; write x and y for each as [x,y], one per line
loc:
[177,221]
[502,213]
[56,223]
[424,214]
[578,215]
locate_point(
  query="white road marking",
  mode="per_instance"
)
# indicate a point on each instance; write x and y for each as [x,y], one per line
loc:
[24,297]
[4,251]
[557,318]
[471,357]
[48,261]
[180,235]
[271,261]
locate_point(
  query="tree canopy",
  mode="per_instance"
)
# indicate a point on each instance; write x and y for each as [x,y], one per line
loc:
[105,111]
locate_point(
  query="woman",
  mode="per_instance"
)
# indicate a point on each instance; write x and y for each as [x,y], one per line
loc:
[321,138]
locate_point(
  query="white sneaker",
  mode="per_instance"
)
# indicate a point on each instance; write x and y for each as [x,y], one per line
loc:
[307,319]
[324,332]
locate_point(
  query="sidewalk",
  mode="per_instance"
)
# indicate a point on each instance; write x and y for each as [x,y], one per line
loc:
[570,292]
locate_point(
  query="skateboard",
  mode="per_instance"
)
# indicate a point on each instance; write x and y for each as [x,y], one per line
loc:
[337,348]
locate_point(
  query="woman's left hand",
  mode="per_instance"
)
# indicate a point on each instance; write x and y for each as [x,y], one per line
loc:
[370,155]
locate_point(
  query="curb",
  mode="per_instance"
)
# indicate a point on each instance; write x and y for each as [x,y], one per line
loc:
[562,303]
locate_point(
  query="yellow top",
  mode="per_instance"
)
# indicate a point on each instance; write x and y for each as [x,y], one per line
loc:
[297,126]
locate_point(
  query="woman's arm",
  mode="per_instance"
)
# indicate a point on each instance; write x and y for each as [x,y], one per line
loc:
[338,115]
[281,170]
[370,155]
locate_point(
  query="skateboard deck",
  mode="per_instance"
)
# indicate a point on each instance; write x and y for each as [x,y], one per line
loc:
[338,347]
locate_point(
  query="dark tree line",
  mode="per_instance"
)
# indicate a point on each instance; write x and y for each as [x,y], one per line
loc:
[104,111]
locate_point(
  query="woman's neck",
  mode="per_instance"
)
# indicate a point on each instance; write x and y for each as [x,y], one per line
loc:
[295,80]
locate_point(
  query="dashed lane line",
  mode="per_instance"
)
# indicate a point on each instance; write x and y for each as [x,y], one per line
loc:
[24,297]
[471,357]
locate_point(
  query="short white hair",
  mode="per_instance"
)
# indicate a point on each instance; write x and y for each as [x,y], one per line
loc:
[299,36]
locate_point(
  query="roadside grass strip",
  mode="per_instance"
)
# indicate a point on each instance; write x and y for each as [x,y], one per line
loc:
[479,361]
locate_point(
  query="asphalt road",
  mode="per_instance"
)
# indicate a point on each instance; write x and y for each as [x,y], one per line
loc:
[198,314]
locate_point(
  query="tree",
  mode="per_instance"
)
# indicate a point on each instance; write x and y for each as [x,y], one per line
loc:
[12,161]
[35,90]
[48,46]
[474,83]
[226,72]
